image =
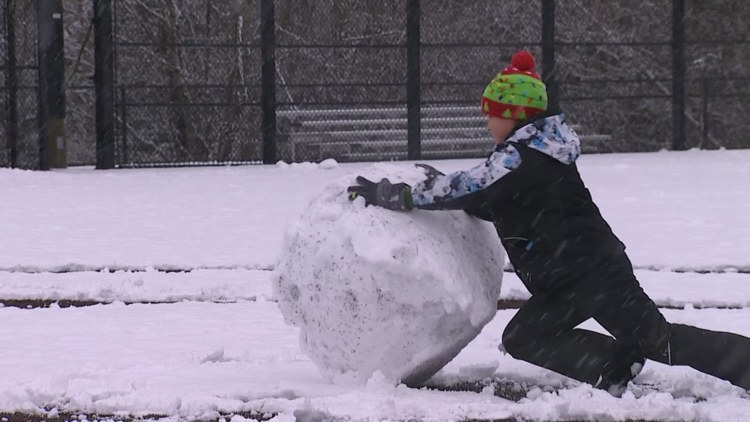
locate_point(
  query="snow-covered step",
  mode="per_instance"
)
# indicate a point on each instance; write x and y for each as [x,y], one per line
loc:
[83,288]
[668,289]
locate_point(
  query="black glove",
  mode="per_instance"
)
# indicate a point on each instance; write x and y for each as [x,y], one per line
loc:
[383,194]
[431,173]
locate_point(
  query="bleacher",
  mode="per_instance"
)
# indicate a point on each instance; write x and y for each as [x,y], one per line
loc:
[373,134]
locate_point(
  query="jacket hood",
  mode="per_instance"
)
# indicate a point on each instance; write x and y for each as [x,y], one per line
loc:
[550,135]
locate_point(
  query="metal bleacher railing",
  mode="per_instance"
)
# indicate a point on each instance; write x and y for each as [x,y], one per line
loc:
[372,133]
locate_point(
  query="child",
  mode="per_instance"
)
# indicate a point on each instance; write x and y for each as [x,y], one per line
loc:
[561,248]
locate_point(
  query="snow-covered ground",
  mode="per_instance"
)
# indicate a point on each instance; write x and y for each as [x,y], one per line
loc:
[204,243]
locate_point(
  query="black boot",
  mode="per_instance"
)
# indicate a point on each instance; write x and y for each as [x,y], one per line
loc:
[619,371]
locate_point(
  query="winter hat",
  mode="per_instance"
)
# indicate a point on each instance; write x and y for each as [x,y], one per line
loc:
[517,92]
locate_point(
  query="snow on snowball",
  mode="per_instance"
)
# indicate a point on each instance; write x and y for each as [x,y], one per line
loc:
[375,291]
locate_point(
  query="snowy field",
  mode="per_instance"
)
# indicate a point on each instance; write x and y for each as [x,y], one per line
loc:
[182,259]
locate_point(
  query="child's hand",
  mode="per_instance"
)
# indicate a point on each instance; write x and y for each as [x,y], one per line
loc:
[383,194]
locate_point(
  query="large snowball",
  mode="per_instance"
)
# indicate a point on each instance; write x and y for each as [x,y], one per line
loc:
[378,290]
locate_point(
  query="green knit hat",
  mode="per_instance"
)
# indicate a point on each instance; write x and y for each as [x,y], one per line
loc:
[517,92]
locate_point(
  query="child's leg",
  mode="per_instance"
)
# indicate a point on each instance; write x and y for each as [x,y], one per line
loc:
[640,329]
[723,355]
[626,312]
[633,318]
[542,333]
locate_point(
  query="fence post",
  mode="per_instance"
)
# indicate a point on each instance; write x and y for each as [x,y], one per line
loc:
[268,79]
[11,83]
[104,84]
[548,54]
[51,54]
[413,80]
[678,74]
[124,125]
[704,113]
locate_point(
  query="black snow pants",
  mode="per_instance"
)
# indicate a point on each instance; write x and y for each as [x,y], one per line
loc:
[543,331]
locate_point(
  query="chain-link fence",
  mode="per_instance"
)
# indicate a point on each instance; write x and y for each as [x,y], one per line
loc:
[80,119]
[616,71]
[19,124]
[201,82]
[613,69]
[187,82]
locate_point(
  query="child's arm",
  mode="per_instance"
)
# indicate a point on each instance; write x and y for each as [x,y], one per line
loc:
[458,189]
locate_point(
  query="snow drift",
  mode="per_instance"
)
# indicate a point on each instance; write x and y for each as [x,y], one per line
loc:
[377,290]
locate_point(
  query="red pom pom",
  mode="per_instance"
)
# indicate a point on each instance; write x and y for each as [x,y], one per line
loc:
[523,60]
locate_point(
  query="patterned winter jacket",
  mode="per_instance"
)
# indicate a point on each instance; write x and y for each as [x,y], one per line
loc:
[530,188]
